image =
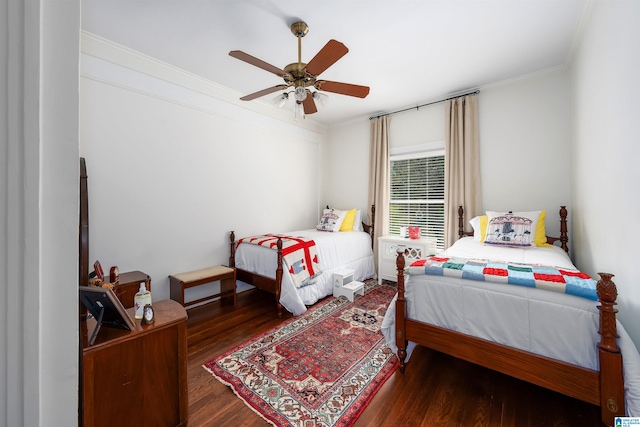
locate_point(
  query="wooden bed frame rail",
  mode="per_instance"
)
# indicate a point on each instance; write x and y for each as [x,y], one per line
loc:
[604,388]
[268,284]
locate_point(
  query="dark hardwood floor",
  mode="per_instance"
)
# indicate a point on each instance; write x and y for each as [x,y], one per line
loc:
[436,390]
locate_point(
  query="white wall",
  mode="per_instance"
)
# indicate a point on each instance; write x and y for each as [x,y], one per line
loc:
[59,207]
[171,170]
[524,146]
[39,213]
[346,168]
[606,176]
[527,118]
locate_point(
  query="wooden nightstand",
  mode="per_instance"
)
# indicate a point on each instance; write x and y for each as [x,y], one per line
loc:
[128,285]
[387,253]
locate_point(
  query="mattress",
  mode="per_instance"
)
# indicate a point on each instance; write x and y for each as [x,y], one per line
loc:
[336,251]
[552,324]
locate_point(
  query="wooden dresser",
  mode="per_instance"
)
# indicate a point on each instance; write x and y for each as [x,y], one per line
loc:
[139,377]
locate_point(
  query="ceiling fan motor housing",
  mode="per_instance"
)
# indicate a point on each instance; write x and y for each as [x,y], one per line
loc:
[299,29]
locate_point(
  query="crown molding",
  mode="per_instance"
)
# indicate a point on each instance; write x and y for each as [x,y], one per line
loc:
[122,56]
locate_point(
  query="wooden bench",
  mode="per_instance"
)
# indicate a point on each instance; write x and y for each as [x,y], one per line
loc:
[227,277]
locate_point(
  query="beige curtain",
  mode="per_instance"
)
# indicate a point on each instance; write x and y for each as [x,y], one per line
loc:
[462,164]
[379,178]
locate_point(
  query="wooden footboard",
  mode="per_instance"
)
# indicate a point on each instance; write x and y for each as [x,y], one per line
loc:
[604,388]
[262,282]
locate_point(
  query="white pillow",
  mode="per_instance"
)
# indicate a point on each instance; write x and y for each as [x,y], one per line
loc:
[331,220]
[475,224]
[521,232]
[357,223]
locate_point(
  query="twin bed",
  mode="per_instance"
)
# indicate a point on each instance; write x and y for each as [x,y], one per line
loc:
[564,341]
[556,340]
[263,267]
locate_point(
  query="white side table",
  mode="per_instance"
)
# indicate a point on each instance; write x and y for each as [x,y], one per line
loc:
[344,285]
[388,252]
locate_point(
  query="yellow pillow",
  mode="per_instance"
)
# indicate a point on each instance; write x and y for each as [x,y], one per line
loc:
[484,220]
[347,223]
[540,238]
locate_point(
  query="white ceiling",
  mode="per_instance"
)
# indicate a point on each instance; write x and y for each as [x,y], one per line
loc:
[407,52]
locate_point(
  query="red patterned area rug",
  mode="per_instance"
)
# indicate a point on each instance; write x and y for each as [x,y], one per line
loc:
[320,369]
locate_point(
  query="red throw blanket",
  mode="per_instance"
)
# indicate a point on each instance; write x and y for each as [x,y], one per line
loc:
[299,255]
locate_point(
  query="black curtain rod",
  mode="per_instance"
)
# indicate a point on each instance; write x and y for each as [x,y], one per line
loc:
[417,107]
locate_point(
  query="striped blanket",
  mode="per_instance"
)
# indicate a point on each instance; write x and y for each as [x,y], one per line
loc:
[299,255]
[556,279]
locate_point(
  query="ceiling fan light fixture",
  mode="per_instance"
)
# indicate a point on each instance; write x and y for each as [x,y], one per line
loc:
[280,100]
[300,93]
[320,98]
[298,110]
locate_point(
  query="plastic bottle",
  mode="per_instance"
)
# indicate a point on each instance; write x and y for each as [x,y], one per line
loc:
[142,298]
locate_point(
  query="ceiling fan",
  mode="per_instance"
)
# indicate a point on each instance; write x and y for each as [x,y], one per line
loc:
[302,77]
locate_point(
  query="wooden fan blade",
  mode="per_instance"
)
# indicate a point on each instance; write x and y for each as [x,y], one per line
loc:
[309,104]
[257,62]
[327,56]
[263,92]
[343,88]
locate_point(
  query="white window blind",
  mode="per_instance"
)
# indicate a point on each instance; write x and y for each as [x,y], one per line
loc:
[417,195]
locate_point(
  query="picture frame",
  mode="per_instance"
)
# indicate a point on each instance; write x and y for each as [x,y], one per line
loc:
[106,308]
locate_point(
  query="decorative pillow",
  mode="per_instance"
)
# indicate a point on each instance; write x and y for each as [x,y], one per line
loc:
[349,218]
[511,229]
[331,220]
[357,222]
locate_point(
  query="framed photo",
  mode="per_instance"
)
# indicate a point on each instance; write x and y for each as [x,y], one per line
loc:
[148,315]
[105,306]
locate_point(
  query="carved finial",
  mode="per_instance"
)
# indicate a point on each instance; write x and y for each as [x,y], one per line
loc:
[607,294]
[606,289]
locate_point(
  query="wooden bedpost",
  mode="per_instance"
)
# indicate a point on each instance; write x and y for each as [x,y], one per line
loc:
[279,276]
[401,310]
[564,238]
[460,222]
[371,228]
[611,380]
[232,248]
[373,225]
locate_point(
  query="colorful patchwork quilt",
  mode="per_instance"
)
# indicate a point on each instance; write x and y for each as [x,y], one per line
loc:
[556,279]
[299,255]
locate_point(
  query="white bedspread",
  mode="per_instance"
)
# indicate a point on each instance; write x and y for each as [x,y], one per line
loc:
[336,251]
[552,324]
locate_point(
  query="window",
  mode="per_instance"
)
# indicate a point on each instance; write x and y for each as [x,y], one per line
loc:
[417,194]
